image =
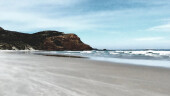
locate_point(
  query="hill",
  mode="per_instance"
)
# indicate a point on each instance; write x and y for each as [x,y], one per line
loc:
[44,40]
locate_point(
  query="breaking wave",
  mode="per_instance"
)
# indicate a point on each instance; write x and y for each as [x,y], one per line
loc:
[144,57]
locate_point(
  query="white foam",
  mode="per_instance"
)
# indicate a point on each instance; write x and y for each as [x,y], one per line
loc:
[145,53]
[86,51]
[156,63]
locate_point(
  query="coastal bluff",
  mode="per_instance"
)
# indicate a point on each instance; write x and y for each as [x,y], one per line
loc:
[44,40]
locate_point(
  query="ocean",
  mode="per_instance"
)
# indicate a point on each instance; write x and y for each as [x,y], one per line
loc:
[154,57]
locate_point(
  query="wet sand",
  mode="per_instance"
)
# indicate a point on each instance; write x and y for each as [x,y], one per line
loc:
[36,75]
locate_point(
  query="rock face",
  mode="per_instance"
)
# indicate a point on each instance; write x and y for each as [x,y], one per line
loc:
[44,40]
[1,29]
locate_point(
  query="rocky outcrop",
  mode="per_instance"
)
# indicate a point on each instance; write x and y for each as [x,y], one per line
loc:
[65,42]
[44,40]
[1,29]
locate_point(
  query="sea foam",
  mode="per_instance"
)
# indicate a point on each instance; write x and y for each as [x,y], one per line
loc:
[159,58]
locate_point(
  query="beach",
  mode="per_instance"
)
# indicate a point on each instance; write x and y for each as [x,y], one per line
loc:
[38,75]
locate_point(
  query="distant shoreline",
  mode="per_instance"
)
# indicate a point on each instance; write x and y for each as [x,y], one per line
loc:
[70,56]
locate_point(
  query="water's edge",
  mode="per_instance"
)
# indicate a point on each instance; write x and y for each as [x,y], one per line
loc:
[158,58]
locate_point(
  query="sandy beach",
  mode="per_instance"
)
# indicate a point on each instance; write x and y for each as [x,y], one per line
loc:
[37,75]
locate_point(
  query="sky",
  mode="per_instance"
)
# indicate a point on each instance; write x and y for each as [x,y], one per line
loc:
[110,24]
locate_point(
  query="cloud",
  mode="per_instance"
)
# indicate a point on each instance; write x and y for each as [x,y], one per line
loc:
[70,14]
[153,2]
[35,13]
[161,28]
[149,39]
[29,3]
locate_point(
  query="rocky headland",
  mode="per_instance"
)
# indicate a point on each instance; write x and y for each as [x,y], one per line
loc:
[44,40]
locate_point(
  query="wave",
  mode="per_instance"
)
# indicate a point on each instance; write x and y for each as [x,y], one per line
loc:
[143,57]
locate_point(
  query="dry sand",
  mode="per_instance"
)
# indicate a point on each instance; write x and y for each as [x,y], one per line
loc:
[36,75]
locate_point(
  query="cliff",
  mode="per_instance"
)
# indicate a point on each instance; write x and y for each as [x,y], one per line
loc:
[44,40]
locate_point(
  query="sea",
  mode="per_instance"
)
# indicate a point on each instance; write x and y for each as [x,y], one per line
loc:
[144,57]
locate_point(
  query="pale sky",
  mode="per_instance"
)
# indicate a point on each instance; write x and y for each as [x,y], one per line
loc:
[111,24]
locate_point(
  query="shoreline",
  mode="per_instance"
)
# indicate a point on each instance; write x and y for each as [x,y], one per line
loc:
[100,59]
[60,55]
[36,75]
